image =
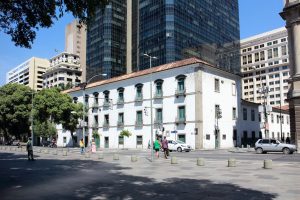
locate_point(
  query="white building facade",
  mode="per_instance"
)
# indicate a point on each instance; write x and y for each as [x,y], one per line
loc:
[265,62]
[251,124]
[64,71]
[29,73]
[187,96]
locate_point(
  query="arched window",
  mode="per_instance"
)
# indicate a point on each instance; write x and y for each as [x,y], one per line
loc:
[139,92]
[158,88]
[180,85]
[106,98]
[120,95]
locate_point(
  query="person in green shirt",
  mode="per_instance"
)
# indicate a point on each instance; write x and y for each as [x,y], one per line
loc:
[157,147]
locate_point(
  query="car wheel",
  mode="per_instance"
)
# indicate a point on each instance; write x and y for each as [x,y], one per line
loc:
[179,149]
[259,150]
[286,151]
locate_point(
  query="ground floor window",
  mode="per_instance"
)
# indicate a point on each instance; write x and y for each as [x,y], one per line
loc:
[75,139]
[181,137]
[207,137]
[121,140]
[64,139]
[224,137]
[139,140]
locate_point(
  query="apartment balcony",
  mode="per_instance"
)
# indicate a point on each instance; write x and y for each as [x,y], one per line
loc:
[120,124]
[105,124]
[95,125]
[180,92]
[180,120]
[95,105]
[120,101]
[157,122]
[106,104]
[138,123]
[158,95]
[138,98]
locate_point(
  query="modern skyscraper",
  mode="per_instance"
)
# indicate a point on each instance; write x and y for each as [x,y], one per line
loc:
[170,30]
[29,73]
[265,63]
[75,43]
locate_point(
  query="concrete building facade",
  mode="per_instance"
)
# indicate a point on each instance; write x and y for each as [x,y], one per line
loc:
[75,43]
[29,73]
[291,13]
[193,101]
[251,124]
[64,71]
[265,63]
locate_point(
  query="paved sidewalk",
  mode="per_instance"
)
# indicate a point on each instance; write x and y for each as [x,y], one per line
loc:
[160,179]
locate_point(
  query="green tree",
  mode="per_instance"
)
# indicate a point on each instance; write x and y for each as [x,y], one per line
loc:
[44,129]
[21,19]
[51,104]
[125,133]
[15,110]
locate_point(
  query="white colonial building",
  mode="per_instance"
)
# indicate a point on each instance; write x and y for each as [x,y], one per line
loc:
[193,101]
[251,124]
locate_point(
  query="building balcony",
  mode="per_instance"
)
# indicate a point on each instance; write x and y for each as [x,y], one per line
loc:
[106,104]
[138,123]
[120,101]
[105,124]
[95,125]
[180,92]
[120,124]
[158,95]
[95,105]
[139,98]
[180,120]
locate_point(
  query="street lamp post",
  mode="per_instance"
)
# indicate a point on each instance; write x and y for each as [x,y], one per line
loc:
[151,106]
[264,91]
[83,86]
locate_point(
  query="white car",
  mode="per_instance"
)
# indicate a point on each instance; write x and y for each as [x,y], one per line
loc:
[178,146]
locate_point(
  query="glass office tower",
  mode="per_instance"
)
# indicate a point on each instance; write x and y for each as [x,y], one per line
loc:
[175,29]
[168,29]
[106,41]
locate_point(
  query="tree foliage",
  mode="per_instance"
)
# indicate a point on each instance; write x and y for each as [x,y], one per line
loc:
[15,110]
[51,104]
[44,129]
[125,133]
[21,19]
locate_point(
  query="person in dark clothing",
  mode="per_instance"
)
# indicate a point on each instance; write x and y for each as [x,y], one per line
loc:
[29,149]
[165,147]
[288,141]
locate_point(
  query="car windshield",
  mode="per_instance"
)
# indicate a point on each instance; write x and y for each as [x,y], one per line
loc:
[180,142]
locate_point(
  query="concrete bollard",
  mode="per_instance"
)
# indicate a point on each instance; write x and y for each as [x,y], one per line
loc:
[87,155]
[200,162]
[46,151]
[24,149]
[242,146]
[116,157]
[174,160]
[133,158]
[65,153]
[268,164]
[38,150]
[54,152]
[231,162]
[100,156]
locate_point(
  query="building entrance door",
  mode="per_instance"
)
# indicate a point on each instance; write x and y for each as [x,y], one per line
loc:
[106,142]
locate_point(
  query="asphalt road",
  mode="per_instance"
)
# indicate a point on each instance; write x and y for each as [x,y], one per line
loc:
[76,177]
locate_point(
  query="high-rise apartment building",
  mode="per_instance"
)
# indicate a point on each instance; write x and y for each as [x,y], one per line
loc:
[169,30]
[265,64]
[29,73]
[64,71]
[75,43]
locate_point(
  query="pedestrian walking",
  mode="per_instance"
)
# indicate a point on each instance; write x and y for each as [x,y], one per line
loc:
[81,144]
[165,147]
[29,149]
[157,147]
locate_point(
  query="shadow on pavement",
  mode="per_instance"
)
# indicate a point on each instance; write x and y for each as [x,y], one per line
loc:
[87,179]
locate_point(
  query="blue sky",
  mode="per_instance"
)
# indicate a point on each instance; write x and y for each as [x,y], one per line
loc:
[256,16]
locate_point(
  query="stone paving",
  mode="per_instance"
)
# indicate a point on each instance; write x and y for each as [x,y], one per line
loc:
[214,180]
